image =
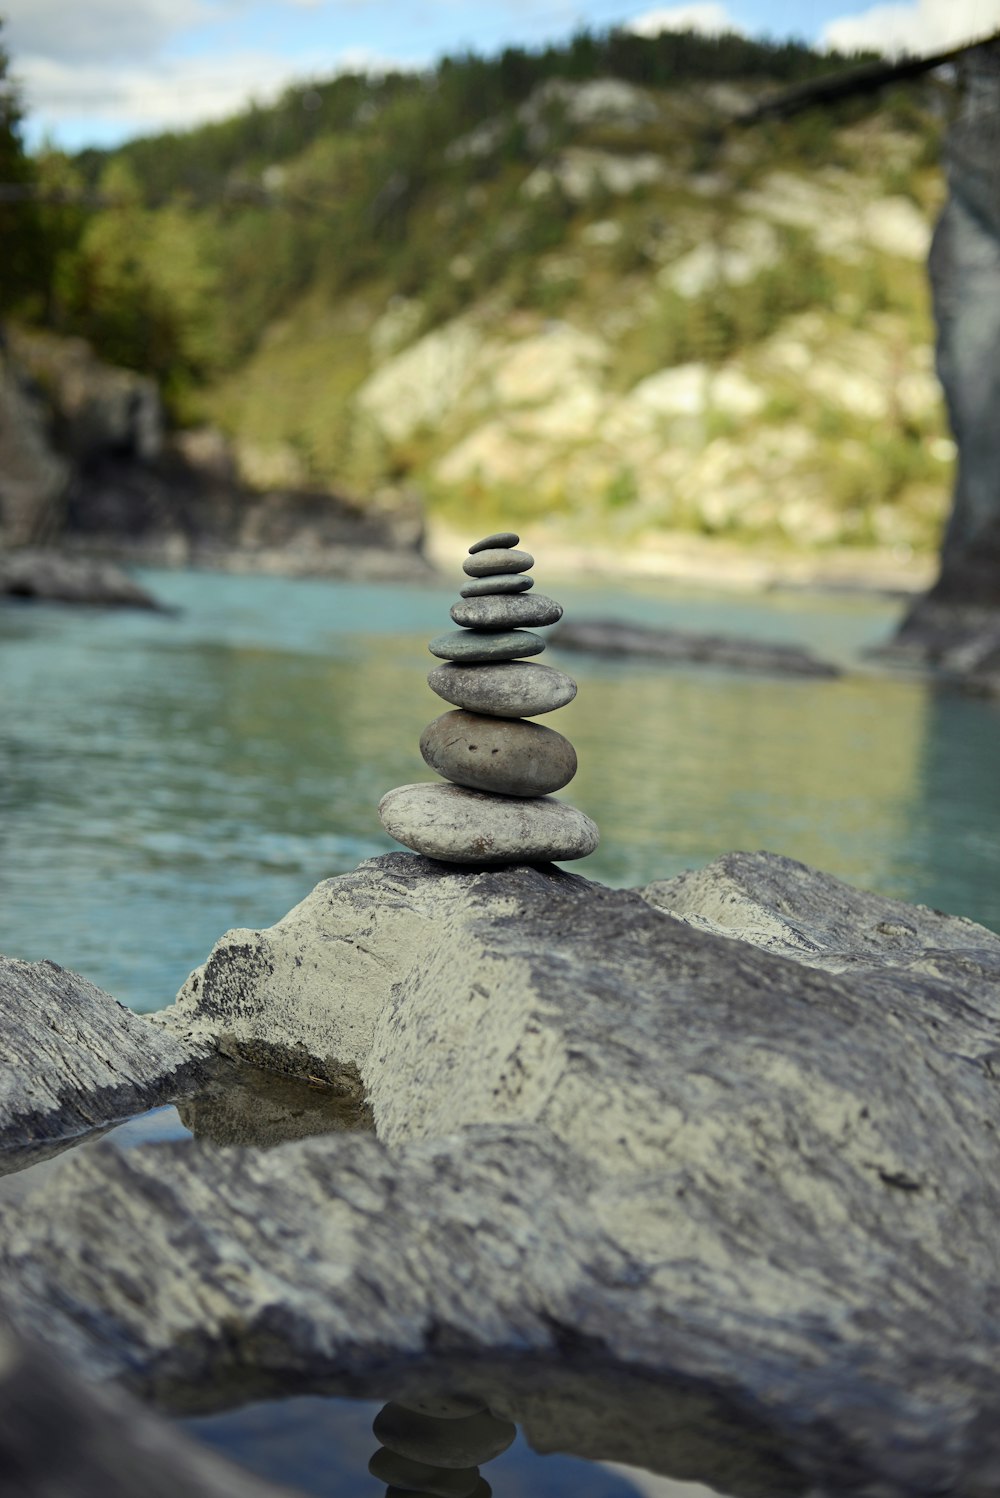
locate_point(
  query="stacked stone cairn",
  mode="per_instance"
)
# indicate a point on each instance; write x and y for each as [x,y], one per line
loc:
[435,1445]
[495,807]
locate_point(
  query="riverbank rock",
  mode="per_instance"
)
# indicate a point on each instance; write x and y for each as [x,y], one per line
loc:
[62,1438]
[611,1146]
[50,576]
[73,1058]
[616,637]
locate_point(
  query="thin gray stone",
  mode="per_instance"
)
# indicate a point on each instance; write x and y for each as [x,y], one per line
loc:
[507,612]
[475,645]
[507,756]
[501,559]
[457,825]
[464,1442]
[506,689]
[501,539]
[502,582]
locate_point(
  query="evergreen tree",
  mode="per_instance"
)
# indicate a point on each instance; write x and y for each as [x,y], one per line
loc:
[23,262]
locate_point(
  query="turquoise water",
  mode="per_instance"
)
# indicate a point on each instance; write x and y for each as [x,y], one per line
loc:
[165,778]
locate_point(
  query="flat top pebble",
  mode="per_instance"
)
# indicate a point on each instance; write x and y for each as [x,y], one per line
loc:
[499,538]
[498,559]
[478,645]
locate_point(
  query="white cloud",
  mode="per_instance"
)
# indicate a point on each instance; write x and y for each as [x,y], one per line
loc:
[174,94]
[97,28]
[706,16]
[919,26]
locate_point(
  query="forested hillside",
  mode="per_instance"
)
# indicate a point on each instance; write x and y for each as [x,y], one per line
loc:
[565,281]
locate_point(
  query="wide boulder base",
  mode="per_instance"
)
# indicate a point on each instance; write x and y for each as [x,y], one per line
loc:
[610,1144]
[458,825]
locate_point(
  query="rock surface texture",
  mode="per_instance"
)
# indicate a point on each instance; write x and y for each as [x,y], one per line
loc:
[488,746]
[738,1190]
[72,1057]
[957,624]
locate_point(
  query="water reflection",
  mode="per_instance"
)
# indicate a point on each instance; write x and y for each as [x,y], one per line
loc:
[164,779]
[322,1446]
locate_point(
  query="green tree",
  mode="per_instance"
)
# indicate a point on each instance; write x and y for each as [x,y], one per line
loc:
[23,254]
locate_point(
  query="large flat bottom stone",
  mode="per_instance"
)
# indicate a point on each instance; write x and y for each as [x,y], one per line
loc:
[459,825]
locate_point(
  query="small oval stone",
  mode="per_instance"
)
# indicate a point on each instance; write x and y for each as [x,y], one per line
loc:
[505,689]
[503,582]
[476,645]
[417,1477]
[442,1443]
[456,825]
[507,612]
[507,756]
[502,539]
[500,560]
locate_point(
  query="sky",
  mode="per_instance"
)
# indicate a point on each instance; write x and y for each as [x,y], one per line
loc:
[94,72]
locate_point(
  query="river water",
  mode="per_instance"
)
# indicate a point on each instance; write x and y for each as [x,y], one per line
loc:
[163,778]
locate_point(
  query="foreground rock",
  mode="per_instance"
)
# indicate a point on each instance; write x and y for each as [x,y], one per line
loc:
[72,1058]
[612,1147]
[49,576]
[60,1438]
[613,637]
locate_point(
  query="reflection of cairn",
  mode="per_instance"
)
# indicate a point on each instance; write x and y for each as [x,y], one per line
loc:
[496,808]
[435,1446]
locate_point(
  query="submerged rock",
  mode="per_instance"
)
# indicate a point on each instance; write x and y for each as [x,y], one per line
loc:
[614,637]
[50,576]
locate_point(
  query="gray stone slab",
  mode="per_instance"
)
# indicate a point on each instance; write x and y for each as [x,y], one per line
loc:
[460,825]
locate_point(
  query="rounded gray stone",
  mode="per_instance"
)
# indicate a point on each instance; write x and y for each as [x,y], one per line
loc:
[477,645]
[497,582]
[502,539]
[456,825]
[499,559]
[443,1443]
[506,612]
[444,1406]
[418,1477]
[503,689]
[505,755]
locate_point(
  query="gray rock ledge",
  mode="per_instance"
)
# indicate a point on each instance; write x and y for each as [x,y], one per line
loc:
[50,576]
[611,1146]
[73,1058]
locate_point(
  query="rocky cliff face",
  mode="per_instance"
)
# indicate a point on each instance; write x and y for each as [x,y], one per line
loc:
[87,464]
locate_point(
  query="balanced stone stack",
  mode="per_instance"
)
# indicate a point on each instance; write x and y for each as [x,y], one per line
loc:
[436,1445]
[495,806]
